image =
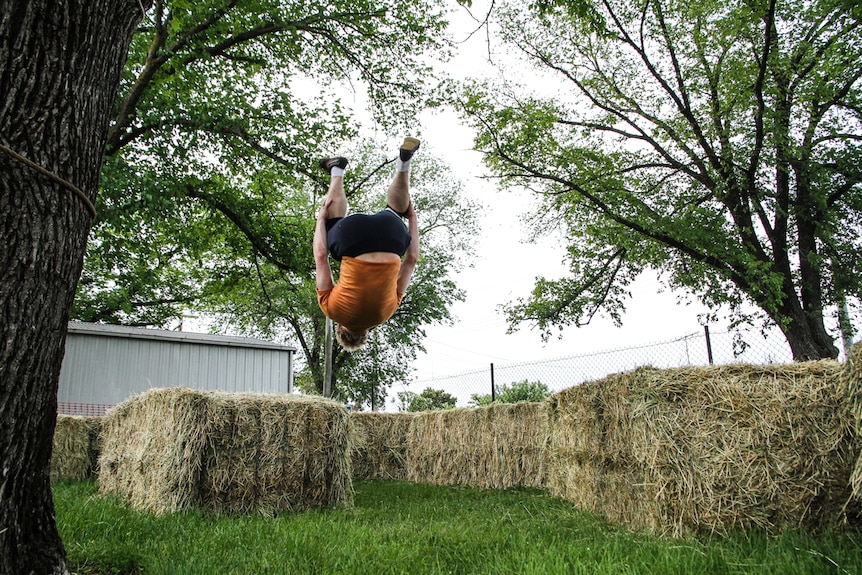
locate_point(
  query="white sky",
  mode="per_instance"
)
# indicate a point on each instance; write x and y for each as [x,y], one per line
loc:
[505,269]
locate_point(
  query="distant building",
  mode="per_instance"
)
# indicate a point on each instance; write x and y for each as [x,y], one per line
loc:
[106,364]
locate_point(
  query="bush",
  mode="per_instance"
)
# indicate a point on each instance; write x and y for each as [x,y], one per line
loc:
[517,392]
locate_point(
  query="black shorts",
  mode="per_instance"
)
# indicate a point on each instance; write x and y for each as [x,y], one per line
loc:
[363,233]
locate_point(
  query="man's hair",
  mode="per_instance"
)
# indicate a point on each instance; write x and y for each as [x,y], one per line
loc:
[350,340]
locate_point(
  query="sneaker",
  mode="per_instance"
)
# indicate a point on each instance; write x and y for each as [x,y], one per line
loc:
[329,163]
[408,148]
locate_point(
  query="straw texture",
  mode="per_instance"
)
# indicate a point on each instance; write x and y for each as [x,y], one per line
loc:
[496,447]
[76,448]
[708,449]
[172,449]
[380,447]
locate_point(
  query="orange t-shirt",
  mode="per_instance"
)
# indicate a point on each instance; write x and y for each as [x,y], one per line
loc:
[365,295]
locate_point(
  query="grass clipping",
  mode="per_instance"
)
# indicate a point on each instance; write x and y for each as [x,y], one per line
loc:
[172,449]
[380,449]
[495,447]
[76,448]
[708,449]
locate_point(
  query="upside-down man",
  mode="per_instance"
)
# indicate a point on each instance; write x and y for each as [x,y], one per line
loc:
[370,247]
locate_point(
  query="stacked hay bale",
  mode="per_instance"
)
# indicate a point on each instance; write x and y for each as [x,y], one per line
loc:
[494,447]
[380,448]
[707,449]
[172,449]
[76,448]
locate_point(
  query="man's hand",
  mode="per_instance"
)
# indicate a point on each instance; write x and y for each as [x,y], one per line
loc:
[320,249]
[323,214]
[413,227]
[408,265]
[410,214]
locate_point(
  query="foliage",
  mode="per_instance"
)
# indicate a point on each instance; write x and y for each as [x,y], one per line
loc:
[210,186]
[265,302]
[222,111]
[715,142]
[518,391]
[428,400]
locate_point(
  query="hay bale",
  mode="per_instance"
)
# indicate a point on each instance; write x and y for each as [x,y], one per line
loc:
[380,444]
[853,381]
[172,449]
[76,448]
[495,447]
[707,449]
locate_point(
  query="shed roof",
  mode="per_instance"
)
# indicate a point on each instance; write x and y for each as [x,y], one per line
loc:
[107,330]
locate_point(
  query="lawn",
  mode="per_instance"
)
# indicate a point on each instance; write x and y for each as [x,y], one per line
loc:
[399,527]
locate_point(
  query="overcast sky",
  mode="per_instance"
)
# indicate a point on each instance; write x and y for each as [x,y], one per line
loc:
[508,263]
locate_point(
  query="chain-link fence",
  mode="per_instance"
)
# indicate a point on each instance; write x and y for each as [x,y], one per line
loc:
[700,348]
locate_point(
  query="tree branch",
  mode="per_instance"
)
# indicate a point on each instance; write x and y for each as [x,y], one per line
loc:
[239,220]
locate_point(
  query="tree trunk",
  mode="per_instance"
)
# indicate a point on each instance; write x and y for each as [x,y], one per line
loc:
[808,338]
[60,65]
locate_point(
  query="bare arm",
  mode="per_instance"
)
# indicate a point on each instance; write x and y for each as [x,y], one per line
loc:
[321,251]
[408,265]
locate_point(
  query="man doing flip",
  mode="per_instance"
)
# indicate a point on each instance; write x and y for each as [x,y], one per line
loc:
[370,247]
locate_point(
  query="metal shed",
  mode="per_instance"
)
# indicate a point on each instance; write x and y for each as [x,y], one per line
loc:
[106,364]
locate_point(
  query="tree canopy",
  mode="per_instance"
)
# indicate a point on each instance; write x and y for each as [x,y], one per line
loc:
[210,186]
[265,302]
[515,392]
[715,142]
[223,109]
[428,400]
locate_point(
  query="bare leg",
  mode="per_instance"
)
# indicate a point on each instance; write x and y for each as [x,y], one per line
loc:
[337,197]
[398,194]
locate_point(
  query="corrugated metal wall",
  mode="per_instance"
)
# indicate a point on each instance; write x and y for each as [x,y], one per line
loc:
[105,365]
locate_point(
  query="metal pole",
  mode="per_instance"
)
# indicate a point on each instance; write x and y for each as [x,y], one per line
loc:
[493,393]
[376,372]
[327,360]
[845,325]
[708,343]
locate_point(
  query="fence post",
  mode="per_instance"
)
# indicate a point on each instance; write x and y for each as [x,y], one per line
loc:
[708,343]
[493,393]
[845,325]
[376,372]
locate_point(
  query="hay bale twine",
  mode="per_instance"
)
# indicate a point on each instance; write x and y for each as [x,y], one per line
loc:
[76,448]
[495,447]
[172,449]
[707,449]
[380,444]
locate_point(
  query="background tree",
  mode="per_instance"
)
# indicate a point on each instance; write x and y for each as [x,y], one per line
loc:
[267,302]
[429,399]
[60,64]
[518,391]
[210,187]
[223,110]
[715,142]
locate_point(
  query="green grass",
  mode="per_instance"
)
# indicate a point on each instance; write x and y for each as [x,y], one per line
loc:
[398,527]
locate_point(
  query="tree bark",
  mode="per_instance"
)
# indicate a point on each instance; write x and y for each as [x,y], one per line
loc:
[808,339]
[60,64]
